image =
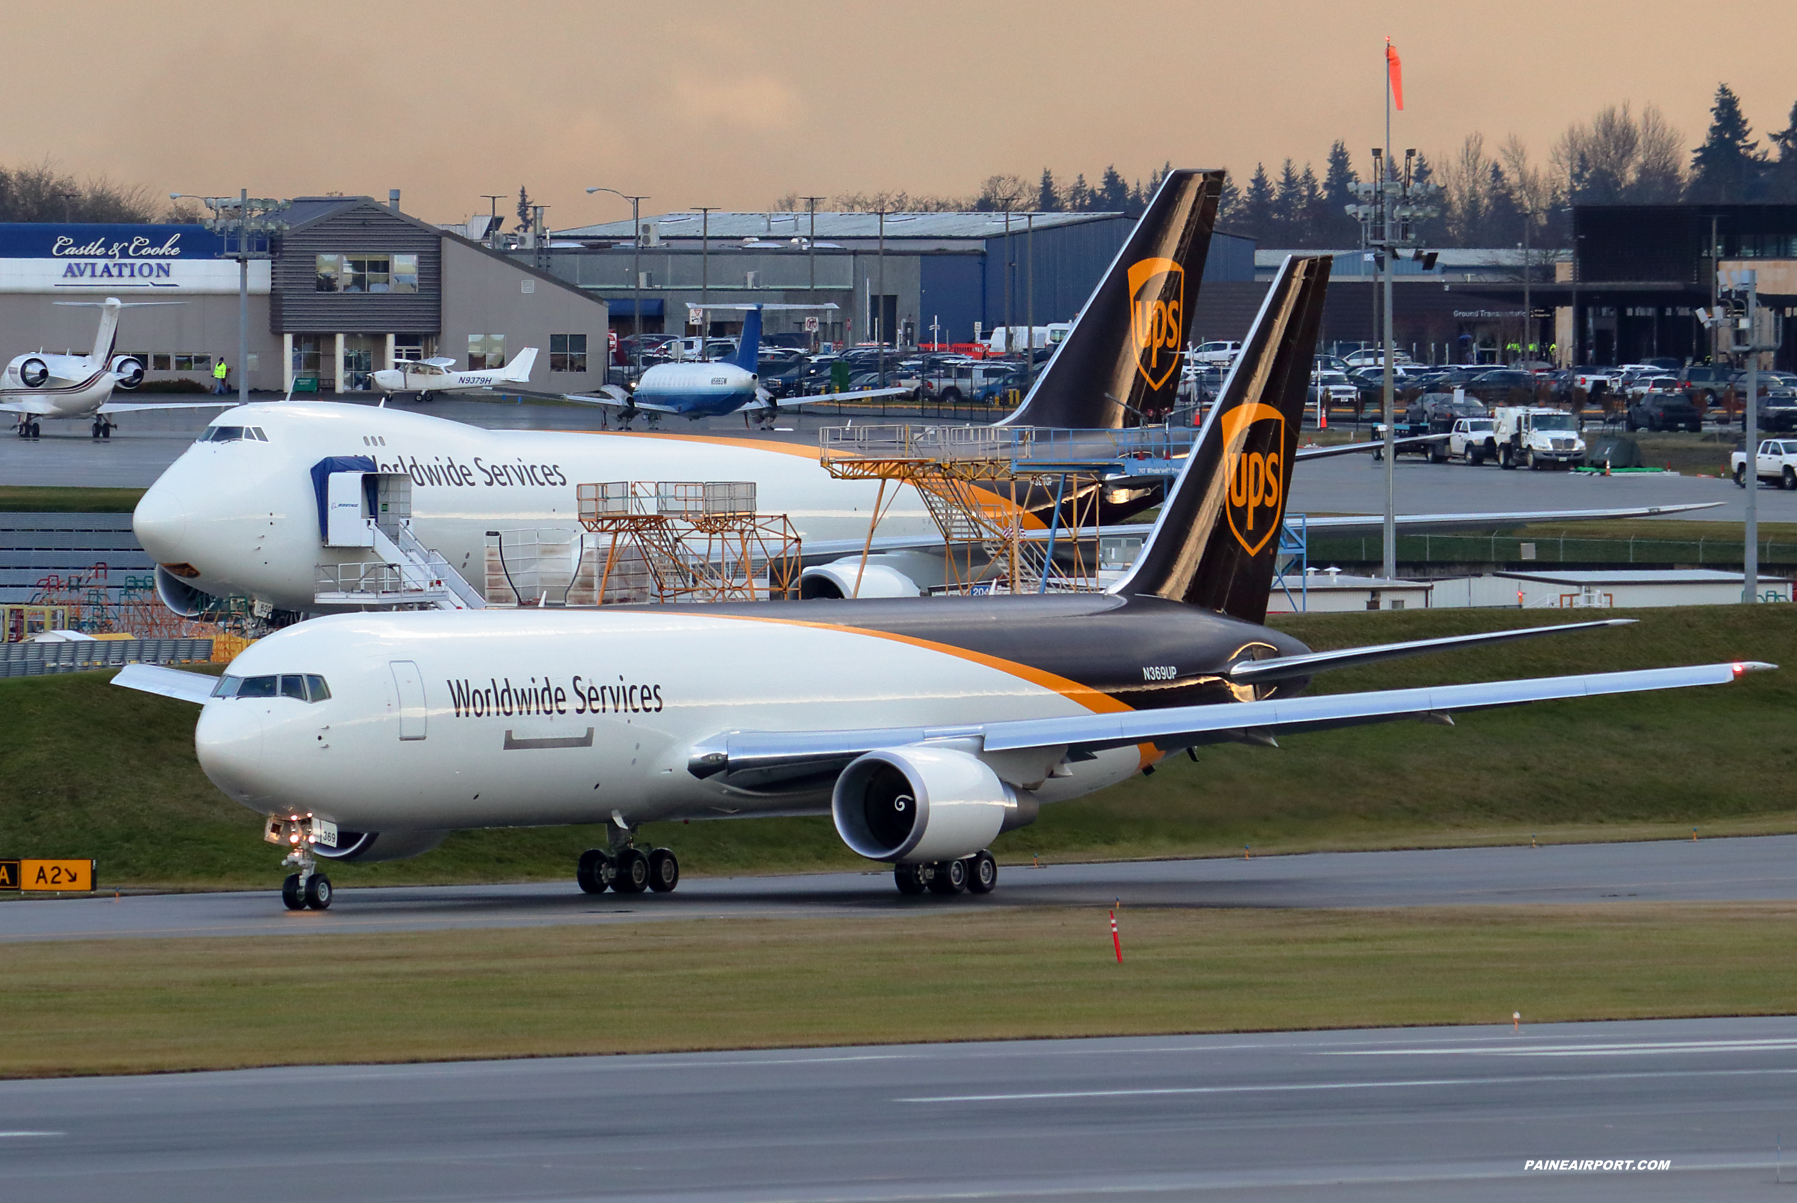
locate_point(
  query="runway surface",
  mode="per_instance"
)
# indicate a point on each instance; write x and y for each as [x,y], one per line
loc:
[1418,1114]
[1761,868]
[147,443]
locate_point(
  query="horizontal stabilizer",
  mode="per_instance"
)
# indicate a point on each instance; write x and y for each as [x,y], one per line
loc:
[168,682]
[123,407]
[1283,667]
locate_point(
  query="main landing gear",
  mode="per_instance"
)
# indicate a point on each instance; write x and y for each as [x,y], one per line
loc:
[28,428]
[308,888]
[977,873]
[102,427]
[626,868]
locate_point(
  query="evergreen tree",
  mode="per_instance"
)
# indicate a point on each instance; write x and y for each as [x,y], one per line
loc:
[1288,201]
[1781,176]
[524,207]
[1729,164]
[1310,214]
[1257,219]
[1229,204]
[1048,197]
[1503,212]
[1335,227]
[1113,192]
[1079,195]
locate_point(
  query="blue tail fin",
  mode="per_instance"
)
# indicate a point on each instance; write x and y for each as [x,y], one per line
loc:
[748,347]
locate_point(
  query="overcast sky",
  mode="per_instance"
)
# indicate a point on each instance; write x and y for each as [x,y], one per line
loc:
[708,103]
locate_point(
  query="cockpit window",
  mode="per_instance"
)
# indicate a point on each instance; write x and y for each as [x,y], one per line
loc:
[233,434]
[302,687]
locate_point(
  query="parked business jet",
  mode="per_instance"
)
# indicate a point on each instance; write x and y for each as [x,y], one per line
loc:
[924,727]
[429,377]
[722,386]
[60,387]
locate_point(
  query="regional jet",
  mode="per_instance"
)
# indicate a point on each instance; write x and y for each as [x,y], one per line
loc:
[429,377]
[59,387]
[923,727]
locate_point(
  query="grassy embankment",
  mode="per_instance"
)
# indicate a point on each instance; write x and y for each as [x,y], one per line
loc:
[56,499]
[1011,973]
[87,769]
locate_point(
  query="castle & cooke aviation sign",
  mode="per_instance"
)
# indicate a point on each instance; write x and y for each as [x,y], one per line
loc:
[118,260]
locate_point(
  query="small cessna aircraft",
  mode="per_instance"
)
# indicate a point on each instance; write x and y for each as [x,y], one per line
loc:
[923,727]
[60,387]
[700,390]
[428,377]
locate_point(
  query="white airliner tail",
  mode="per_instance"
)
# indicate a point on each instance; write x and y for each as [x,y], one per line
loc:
[518,371]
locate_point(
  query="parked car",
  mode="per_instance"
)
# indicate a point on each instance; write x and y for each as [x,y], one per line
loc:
[1663,409]
[1373,355]
[1223,352]
[1333,388]
[1503,386]
[1705,383]
[1776,462]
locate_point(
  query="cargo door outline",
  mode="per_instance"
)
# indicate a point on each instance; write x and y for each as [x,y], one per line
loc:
[413,711]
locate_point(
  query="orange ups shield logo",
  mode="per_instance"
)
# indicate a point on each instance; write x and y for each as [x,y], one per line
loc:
[1254,451]
[1157,289]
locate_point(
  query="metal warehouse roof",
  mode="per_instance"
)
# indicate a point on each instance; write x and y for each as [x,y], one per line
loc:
[727,226]
[1636,576]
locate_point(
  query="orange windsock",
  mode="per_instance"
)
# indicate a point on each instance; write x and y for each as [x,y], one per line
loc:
[1394,70]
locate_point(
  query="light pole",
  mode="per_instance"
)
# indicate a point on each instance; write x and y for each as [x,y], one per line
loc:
[879,322]
[636,275]
[249,220]
[493,219]
[1740,311]
[811,252]
[1387,210]
[704,212]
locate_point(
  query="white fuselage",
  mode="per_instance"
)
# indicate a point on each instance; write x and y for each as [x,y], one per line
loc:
[697,389]
[242,516]
[533,717]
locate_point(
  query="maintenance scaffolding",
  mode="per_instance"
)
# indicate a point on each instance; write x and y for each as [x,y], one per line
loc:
[697,541]
[1018,506]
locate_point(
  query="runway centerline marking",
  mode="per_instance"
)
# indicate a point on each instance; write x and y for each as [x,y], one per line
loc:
[1580,1050]
[1296,1087]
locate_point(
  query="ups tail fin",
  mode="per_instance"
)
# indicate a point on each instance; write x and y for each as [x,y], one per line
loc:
[1218,534]
[1121,361]
[518,371]
[748,345]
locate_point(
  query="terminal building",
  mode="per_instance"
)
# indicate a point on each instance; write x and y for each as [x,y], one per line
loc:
[905,278]
[350,285]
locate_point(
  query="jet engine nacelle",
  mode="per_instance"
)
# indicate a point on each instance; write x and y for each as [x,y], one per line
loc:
[34,372]
[129,371]
[180,596]
[366,847]
[919,804]
[837,579]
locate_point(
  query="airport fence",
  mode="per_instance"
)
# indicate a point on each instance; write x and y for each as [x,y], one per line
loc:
[37,659]
[1514,550]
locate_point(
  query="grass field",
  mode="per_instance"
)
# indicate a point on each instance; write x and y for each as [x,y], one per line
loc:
[151,1005]
[56,499]
[87,769]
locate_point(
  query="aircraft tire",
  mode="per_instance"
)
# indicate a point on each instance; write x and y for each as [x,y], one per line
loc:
[318,892]
[633,872]
[292,895]
[910,879]
[594,871]
[35,432]
[950,878]
[664,870]
[982,876]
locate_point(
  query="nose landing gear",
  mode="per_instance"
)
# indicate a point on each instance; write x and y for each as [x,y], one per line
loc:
[308,888]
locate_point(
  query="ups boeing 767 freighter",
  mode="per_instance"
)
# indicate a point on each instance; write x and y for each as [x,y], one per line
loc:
[924,727]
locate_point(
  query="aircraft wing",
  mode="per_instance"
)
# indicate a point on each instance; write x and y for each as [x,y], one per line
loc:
[168,682]
[613,397]
[774,753]
[122,407]
[1403,444]
[822,549]
[825,398]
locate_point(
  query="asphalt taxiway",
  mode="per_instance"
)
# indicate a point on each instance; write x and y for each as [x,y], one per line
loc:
[147,443]
[1752,869]
[1404,1114]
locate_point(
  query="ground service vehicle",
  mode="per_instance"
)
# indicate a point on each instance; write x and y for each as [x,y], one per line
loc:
[1535,435]
[1472,440]
[1776,462]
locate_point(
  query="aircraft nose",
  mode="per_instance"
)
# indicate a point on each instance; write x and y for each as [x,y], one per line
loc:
[160,522]
[228,739]
[388,379]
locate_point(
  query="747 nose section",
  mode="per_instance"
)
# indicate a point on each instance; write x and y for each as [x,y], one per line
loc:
[160,522]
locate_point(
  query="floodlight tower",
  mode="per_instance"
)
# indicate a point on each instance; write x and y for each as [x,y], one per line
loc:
[1738,308]
[248,225]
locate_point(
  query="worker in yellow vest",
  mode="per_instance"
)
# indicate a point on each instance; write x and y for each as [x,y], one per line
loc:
[220,372]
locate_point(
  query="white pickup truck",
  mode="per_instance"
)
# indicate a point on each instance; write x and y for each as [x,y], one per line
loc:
[1776,462]
[1472,440]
